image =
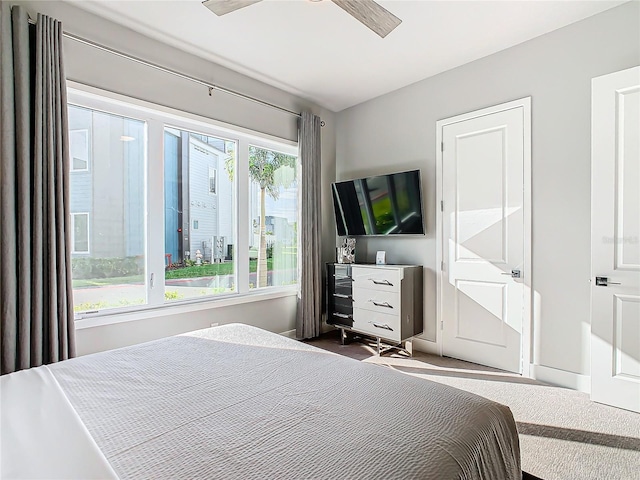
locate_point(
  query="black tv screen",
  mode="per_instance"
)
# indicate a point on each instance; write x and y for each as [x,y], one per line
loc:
[381,205]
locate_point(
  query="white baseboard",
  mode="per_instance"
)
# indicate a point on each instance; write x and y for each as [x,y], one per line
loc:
[562,378]
[425,346]
[289,334]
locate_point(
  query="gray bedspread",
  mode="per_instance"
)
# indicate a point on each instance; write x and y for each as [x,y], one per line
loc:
[236,402]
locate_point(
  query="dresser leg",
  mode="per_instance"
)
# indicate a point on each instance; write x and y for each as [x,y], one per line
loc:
[407,347]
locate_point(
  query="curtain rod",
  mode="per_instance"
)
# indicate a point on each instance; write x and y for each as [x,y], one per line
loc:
[210,86]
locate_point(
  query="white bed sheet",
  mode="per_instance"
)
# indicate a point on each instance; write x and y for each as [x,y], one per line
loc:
[41,435]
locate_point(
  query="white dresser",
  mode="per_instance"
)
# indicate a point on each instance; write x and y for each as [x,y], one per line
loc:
[387,301]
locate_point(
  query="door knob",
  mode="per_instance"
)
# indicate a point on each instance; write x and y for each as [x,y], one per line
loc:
[513,273]
[604,282]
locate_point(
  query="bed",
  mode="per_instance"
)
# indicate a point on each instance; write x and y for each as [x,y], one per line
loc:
[237,402]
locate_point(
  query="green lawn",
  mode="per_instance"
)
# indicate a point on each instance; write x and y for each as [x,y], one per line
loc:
[211,269]
[196,271]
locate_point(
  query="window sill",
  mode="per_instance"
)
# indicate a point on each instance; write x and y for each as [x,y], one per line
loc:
[108,318]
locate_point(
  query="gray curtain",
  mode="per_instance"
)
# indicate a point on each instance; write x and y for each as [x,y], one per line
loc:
[35,263]
[309,317]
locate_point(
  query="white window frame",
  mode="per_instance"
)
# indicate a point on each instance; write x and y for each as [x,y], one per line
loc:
[73,233]
[85,131]
[158,118]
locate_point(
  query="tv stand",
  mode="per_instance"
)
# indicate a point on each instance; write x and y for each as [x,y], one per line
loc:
[379,301]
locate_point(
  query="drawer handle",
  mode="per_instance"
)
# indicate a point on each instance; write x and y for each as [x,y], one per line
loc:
[341,315]
[338,277]
[383,282]
[385,304]
[341,295]
[384,327]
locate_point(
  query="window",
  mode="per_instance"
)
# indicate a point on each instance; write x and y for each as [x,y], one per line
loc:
[173,209]
[79,150]
[202,259]
[80,233]
[111,273]
[274,217]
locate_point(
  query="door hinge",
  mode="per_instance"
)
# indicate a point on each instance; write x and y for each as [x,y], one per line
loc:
[442,265]
[442,146]
[441,205]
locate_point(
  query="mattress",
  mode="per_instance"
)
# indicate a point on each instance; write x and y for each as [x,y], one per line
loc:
[237,402]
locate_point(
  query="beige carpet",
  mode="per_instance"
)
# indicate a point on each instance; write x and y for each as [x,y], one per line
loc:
[563,435]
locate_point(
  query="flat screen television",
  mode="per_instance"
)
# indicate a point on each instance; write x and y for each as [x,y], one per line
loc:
[381,205]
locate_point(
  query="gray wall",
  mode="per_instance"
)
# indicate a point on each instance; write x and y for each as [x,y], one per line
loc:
[397,131]
[274,315]
[89,66]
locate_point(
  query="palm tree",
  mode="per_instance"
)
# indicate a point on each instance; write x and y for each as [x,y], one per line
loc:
[271,171]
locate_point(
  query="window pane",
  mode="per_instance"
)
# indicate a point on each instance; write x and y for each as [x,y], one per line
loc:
[107,210]
[274,217]
[199,198]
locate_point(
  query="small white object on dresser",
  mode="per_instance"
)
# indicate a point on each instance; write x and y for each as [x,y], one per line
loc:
[387,301]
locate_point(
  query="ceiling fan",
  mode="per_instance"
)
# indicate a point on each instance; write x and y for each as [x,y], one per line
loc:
[368,12]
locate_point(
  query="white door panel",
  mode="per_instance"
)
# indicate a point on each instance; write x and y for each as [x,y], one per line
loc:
[615,240]
[483,230]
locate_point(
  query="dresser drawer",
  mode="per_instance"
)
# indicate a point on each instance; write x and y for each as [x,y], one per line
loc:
[341,270]
[377,324]
[342,303]
[342,285]
[340,319]
[376,278]
[377,300]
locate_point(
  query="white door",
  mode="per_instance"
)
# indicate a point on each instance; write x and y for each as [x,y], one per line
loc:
[615,239]
[483,244]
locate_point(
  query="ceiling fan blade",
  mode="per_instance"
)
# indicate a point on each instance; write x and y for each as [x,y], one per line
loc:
[222,7]
[372,15]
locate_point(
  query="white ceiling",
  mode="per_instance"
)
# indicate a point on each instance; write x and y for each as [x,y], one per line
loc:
[317,51]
